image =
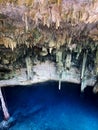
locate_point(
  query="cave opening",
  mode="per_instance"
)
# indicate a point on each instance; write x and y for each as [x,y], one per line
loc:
[43,107]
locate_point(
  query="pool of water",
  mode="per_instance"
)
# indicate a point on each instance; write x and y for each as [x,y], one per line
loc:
[44,107]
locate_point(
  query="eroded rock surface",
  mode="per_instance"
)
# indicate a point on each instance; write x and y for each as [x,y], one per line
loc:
[61,32]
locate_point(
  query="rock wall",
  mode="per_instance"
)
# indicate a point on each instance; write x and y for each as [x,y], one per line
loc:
[63,32]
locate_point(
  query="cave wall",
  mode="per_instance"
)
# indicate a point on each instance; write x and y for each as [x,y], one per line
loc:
[60,31]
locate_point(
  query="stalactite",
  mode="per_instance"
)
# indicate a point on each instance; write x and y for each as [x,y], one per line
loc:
[79,49]
[9,43]
[25,19]
[60,78]
[95,89]
[50,50]
[83,84]
[44,52]
[59,66]
[96,62]
[83,77]
[68,61]
[4,108]
[84,65]
[59,2]
[29,68]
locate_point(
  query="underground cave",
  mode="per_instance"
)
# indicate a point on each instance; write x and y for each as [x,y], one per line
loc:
[46,42]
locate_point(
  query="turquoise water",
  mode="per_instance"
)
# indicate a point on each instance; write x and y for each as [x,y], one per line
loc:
[44,107]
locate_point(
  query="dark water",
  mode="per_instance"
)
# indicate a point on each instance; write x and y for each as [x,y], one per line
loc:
[44,107]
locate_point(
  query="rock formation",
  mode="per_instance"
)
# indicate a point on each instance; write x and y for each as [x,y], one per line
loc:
[60,32]
[44,40]
[64,32]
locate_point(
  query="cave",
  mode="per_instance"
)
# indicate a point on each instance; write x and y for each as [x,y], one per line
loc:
[46,42]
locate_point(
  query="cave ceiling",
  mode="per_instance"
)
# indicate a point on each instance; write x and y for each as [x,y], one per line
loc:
[40,28]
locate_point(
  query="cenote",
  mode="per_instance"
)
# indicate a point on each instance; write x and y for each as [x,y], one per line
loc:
[44,107]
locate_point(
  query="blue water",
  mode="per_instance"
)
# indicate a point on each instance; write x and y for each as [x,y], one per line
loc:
[44,107]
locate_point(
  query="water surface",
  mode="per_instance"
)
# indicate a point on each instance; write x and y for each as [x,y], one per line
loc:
[44,107]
